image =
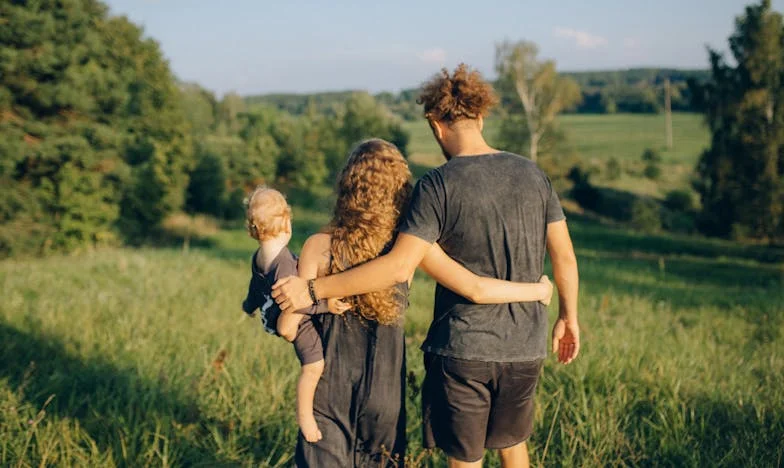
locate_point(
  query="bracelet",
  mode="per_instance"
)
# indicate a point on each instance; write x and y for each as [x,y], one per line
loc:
[312,291]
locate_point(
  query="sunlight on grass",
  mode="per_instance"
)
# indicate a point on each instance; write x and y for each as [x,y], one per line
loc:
[125,357]
[137,357]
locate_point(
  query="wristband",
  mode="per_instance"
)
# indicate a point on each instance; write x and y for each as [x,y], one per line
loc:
[312,291]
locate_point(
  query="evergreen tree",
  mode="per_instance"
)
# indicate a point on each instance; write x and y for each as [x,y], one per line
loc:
[741,176]
[91,126]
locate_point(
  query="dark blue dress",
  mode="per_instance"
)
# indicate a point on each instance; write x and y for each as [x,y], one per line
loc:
[360,400]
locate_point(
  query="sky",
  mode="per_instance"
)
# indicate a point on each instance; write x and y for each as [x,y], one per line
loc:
[263,46]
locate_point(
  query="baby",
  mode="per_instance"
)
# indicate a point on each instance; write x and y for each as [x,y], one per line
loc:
[269,222]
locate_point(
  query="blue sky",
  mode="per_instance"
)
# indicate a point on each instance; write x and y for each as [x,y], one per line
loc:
[260,46]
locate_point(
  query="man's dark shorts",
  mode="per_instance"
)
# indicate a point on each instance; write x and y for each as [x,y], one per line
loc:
[472,405]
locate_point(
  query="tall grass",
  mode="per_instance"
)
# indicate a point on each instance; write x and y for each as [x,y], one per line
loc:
[143,357]
[124,357]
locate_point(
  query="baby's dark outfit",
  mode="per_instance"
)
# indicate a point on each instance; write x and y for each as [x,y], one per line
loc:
[307,344]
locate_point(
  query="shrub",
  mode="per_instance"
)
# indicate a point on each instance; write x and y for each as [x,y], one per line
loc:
[585,194]
[678,221]
[679,200]
[652,171]
[613,169]
[650,155]
[646,215]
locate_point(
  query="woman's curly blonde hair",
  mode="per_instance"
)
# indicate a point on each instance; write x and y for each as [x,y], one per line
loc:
[372,191]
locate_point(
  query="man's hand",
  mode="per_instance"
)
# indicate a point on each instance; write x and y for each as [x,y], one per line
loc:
[566,340]
[546,282]
[292,294]
[337,306]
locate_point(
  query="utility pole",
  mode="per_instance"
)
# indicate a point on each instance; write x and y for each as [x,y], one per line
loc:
[667,113]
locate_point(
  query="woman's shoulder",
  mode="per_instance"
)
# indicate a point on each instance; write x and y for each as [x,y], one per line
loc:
[317,249]
[318,241]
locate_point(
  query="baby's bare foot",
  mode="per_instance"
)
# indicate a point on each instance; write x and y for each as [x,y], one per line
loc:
[309,428]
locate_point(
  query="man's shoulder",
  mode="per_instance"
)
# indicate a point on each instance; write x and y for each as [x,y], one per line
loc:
[520,160]
[433,178]
[524,165]
[435,172]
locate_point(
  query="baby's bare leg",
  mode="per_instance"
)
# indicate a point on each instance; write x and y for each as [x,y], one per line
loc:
[288,325]
[306,391]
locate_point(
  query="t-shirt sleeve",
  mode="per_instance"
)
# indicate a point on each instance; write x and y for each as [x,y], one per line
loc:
[284,269]
[425,215]
[307,344]
[253,299]
[251,302]
[554,209]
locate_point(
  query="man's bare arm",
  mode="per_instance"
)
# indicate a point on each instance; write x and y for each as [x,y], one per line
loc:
[564,261]
[566,333]
[395,267]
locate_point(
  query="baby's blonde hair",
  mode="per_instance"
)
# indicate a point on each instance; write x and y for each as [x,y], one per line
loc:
[268,215]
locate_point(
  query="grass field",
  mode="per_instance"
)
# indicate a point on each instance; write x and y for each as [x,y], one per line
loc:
[595,139]
[128,357]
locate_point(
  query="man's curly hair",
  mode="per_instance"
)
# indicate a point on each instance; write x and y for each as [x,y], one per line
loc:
[462,95]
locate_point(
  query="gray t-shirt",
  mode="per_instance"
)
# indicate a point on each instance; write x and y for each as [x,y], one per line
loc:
[489,213]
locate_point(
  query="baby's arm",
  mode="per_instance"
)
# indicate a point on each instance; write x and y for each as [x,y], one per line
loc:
[478,289]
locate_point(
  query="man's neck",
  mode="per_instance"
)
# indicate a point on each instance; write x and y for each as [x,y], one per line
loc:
[269,250]
[469,143]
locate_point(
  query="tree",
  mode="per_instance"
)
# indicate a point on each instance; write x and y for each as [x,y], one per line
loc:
[229,110]
[200,107]
[740,178]
[365,118]
[207,186]
[92,130]
[302,162]
[542,93]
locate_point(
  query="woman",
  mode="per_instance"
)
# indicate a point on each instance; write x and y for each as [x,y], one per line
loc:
[359,404]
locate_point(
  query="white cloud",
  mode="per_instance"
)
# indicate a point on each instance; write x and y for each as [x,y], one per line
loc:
[582,39]
[436,55]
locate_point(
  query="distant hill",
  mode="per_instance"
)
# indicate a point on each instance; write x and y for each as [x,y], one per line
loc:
[637,90]
[635,76]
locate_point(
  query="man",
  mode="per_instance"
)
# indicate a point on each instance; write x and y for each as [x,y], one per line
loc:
[495,213]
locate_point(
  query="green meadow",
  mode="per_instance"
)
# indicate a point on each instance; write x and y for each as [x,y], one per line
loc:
[142,357]
[595,139]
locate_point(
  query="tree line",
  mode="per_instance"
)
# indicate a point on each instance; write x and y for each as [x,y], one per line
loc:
[99,143]
[637,90]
